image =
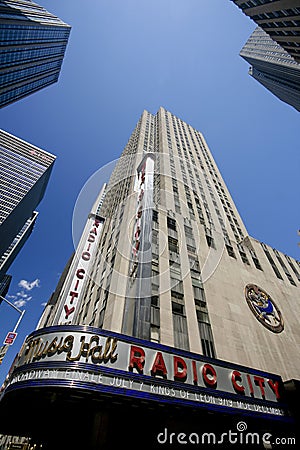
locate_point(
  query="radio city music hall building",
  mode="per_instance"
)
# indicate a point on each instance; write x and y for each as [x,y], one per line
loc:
[169,317]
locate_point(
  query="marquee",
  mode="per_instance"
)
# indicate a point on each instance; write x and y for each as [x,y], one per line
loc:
[101,361]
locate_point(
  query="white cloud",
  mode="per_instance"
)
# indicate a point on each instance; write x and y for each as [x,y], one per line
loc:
[20,303]
[23,299]
[29,285]
[24,296]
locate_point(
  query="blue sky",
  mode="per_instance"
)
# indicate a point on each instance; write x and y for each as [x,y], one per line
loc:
[127,56]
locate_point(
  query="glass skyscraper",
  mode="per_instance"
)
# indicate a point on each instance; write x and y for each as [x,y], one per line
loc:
[33,43]
[4,285]
[273,67]
[280,19]
[24,173]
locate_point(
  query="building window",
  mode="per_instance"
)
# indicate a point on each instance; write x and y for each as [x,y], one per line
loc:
[176,288]
[271,261]
[230,251]
[180,329]
[198,292]
[293,267]
[205,331]
[207,342]
[171,223]
[154,333]
[256,262]
[210,241]
[243,254]
[155,300]
[284,267]
[173,244]
[177,308]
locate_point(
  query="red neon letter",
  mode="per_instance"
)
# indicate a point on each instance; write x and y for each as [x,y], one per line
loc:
[259,381]
[69,311]
[136,359]
[250,385]
[86,256]
[80,273]
[73,295]
[274,385]
[94,231]
[236,378]
[195,376]
[180,369]
[209,375]
[159,366]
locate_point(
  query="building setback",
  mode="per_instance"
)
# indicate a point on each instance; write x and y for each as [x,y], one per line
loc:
[33,43]
[273,67]
[279,18]
[25,171]
[167,302]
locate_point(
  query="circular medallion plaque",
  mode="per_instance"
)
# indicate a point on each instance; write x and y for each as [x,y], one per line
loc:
[264,308]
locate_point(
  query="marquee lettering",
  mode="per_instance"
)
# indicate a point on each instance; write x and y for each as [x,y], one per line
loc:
[209,375]
[89,350]
[250,385]
[195,376]
[180,369]
[236,379]
[159,366]
[259,381]
[274,385]
[137,359]
[149,363]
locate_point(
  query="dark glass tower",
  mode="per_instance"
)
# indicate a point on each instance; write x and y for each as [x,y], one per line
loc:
[33,43]
[24,173]
[279,18]
[273,67]
[4,286]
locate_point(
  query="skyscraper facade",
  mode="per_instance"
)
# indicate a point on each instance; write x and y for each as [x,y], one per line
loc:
[279,18]
[273,67]
[33,43]
[167,302]
[25,171]
[16,245]
[4,285]
[174,256]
